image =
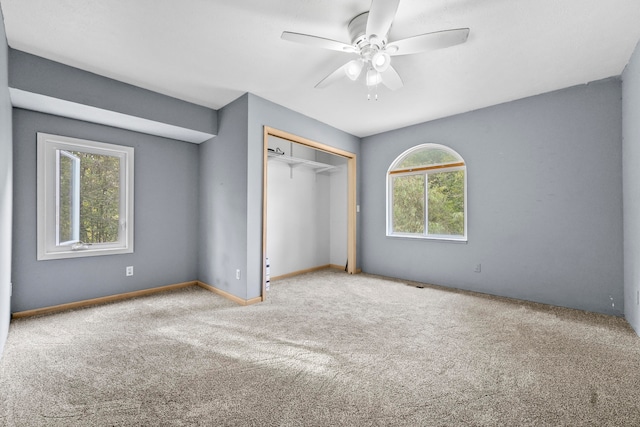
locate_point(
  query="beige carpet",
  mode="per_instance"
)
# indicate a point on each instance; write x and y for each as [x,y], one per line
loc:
[326,349]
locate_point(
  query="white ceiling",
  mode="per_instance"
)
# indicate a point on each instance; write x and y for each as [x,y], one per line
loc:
[211,51]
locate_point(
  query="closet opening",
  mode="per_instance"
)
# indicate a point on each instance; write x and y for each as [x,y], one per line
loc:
[309,206]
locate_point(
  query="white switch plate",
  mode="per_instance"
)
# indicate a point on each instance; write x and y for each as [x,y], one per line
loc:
[129,271]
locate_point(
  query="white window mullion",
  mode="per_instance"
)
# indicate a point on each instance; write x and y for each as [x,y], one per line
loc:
[57,197]
[76,199]
[426,204]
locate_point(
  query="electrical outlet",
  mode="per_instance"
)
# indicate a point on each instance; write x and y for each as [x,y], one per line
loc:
[478,268]
[238,274]
[129,270]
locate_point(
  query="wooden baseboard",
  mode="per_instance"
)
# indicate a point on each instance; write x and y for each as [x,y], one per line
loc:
[98,301]
[339,267]
[299,272]
[311,270]
[228,295]
[143,292]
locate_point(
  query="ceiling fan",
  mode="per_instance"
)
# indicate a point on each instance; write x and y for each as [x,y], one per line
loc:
[368,32]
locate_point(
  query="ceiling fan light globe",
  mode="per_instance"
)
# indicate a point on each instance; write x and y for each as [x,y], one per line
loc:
[381,61]
[353,69]
[373,77]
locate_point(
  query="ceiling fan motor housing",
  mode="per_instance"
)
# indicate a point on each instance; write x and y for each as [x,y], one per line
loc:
[359,38]
[358,30]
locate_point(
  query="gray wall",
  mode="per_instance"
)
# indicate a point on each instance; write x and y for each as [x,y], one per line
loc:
[223,202]
[39,75]
[166,218]
[631,185]
[544,201]
[6,193]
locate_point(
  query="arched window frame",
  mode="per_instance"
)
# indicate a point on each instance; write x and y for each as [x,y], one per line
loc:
[424,170]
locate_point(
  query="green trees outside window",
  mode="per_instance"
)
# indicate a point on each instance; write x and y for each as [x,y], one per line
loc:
[98,199]
[408,204]
[446,203]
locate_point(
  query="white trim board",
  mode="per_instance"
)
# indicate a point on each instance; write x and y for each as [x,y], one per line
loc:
[59,107]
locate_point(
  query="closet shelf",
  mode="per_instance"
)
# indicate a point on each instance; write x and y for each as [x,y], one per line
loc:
[294,162]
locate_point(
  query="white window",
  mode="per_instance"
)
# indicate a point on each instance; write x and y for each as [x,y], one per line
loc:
[85,198]
[426,194]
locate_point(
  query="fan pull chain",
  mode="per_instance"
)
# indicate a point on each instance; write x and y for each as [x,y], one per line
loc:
[373,89]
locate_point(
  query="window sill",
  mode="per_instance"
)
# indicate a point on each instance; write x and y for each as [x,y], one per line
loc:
[83,253]
[443,239]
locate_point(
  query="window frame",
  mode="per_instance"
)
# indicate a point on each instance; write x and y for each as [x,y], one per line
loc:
[49,149]
[392,172]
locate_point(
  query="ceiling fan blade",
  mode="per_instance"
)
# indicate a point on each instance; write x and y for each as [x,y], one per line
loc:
[381,17]
[391,78]
[427,42]
[317,42]
[333,77]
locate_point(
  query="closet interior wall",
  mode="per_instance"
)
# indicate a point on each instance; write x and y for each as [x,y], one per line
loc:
[306,208]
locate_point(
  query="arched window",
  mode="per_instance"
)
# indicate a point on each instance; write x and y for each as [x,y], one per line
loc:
[426,194]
